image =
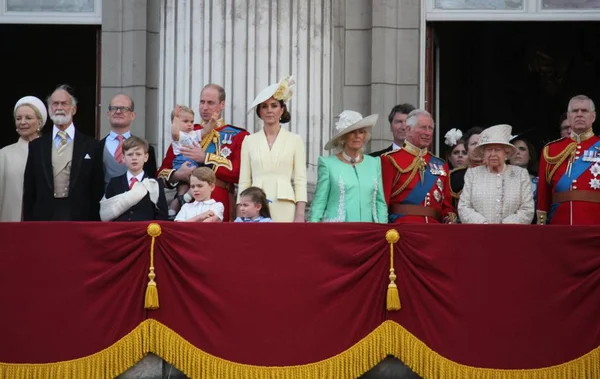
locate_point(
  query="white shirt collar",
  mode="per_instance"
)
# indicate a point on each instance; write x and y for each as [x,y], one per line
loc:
[70,131]
[113,135]
[395,147]
[205,202]
[139,176]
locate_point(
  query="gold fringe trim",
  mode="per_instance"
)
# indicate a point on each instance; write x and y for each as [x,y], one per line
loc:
[388,339]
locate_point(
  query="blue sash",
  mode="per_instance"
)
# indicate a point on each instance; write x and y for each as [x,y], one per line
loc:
[578,167]
[418,193]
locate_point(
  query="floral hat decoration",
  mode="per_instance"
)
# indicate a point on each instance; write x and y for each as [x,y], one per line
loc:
[284,90]
[452,137]
[348,122]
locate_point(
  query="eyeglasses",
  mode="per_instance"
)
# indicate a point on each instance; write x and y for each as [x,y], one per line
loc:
[114,109]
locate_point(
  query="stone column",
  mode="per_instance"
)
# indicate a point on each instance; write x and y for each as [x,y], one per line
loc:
[245,45]
[130,43]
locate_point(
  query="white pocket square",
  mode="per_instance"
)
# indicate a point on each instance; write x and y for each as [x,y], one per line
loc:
[87,156]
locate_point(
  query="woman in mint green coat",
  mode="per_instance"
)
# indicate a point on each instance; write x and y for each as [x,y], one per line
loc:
[349,187]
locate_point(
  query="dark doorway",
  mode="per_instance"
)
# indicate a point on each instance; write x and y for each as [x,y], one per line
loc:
[517,73]
[37,58]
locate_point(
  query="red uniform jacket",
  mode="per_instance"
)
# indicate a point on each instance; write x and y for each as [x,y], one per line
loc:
[577,175]
[223,151]
[416,177]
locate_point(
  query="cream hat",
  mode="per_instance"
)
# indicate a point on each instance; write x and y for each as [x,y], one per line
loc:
[350,121]
[496,135]
[36,103]
[278,91]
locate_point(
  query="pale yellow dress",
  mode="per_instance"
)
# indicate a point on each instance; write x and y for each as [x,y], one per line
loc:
[279,171]
[12,170]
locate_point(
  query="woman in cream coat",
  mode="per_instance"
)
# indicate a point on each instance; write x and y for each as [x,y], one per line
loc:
[349,188]
[496,192]
[273,157]
[30,116]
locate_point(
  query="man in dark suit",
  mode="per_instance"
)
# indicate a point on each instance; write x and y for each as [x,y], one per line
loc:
[130,202]
[397,119]
[120,115]
[63,174]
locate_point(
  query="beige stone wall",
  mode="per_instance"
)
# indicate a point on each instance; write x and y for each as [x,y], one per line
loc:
[130,46]
[376,58]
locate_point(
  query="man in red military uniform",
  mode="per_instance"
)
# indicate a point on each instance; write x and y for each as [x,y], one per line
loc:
[569,182]
[415,182]
[220,149]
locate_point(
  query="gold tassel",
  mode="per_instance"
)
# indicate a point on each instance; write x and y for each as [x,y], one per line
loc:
[151,301]
[393,298]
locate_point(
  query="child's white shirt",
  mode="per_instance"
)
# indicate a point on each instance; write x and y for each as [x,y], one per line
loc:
[190,210]
[186,139]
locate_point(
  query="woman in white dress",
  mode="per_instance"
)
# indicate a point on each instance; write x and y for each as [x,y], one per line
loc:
[496,192]
[30,116]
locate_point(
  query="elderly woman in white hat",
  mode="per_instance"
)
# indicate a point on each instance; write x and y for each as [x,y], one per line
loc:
[349,187]
[496,192]
[30,116]
[273,157]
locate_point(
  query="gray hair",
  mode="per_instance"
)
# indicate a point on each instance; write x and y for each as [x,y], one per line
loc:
[338,144]
[63,87]
[411,120]
[582,98]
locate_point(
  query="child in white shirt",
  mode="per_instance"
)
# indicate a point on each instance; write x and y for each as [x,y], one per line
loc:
[203,209]
[183,134]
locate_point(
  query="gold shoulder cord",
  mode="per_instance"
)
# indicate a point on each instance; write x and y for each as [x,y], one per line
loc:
[418,164]
[208,139]
[559,159]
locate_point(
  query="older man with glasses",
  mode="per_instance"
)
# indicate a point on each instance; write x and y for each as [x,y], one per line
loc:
[120,115]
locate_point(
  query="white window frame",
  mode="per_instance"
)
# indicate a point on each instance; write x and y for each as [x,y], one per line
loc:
[73,18]
[532,11]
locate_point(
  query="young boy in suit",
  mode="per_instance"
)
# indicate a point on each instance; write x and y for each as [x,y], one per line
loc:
[134,196]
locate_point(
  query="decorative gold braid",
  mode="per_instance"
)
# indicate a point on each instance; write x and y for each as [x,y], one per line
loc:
[207,139]
[559,159]
[418,164]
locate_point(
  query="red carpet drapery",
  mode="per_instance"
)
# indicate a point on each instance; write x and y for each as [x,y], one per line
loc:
[300,300]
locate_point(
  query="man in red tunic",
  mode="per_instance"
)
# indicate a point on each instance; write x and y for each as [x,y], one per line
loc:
[415,182]
[569,182]
[220,149]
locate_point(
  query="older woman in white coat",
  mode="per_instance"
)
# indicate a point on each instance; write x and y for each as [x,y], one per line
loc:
[30,116]
[496,192]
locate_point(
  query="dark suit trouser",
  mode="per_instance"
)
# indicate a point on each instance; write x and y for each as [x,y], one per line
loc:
[60,209]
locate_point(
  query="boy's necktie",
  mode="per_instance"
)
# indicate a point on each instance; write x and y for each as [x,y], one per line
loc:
[132,182]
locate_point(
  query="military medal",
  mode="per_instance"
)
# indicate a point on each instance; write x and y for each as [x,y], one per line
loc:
[227,139]
[595,184]
[225,152]
[595,170]
[437,195]
[440,185]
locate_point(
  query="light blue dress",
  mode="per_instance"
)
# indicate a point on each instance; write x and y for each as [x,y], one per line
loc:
[349,194]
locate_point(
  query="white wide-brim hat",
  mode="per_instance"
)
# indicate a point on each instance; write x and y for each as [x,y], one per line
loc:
[348,122]
[279,91]
[36,103]
[496,135]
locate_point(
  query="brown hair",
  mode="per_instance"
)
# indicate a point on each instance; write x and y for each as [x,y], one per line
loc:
[184,108]
[204,174]
[258,196]
[220,89]
[133,142]
[450,149]
[285,116]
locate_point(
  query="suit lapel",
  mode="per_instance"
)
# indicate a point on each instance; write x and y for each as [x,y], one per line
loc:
[47,160]
[78,152]
[124,184]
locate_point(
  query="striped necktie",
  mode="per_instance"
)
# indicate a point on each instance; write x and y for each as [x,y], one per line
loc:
[63,141]
[119,151]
